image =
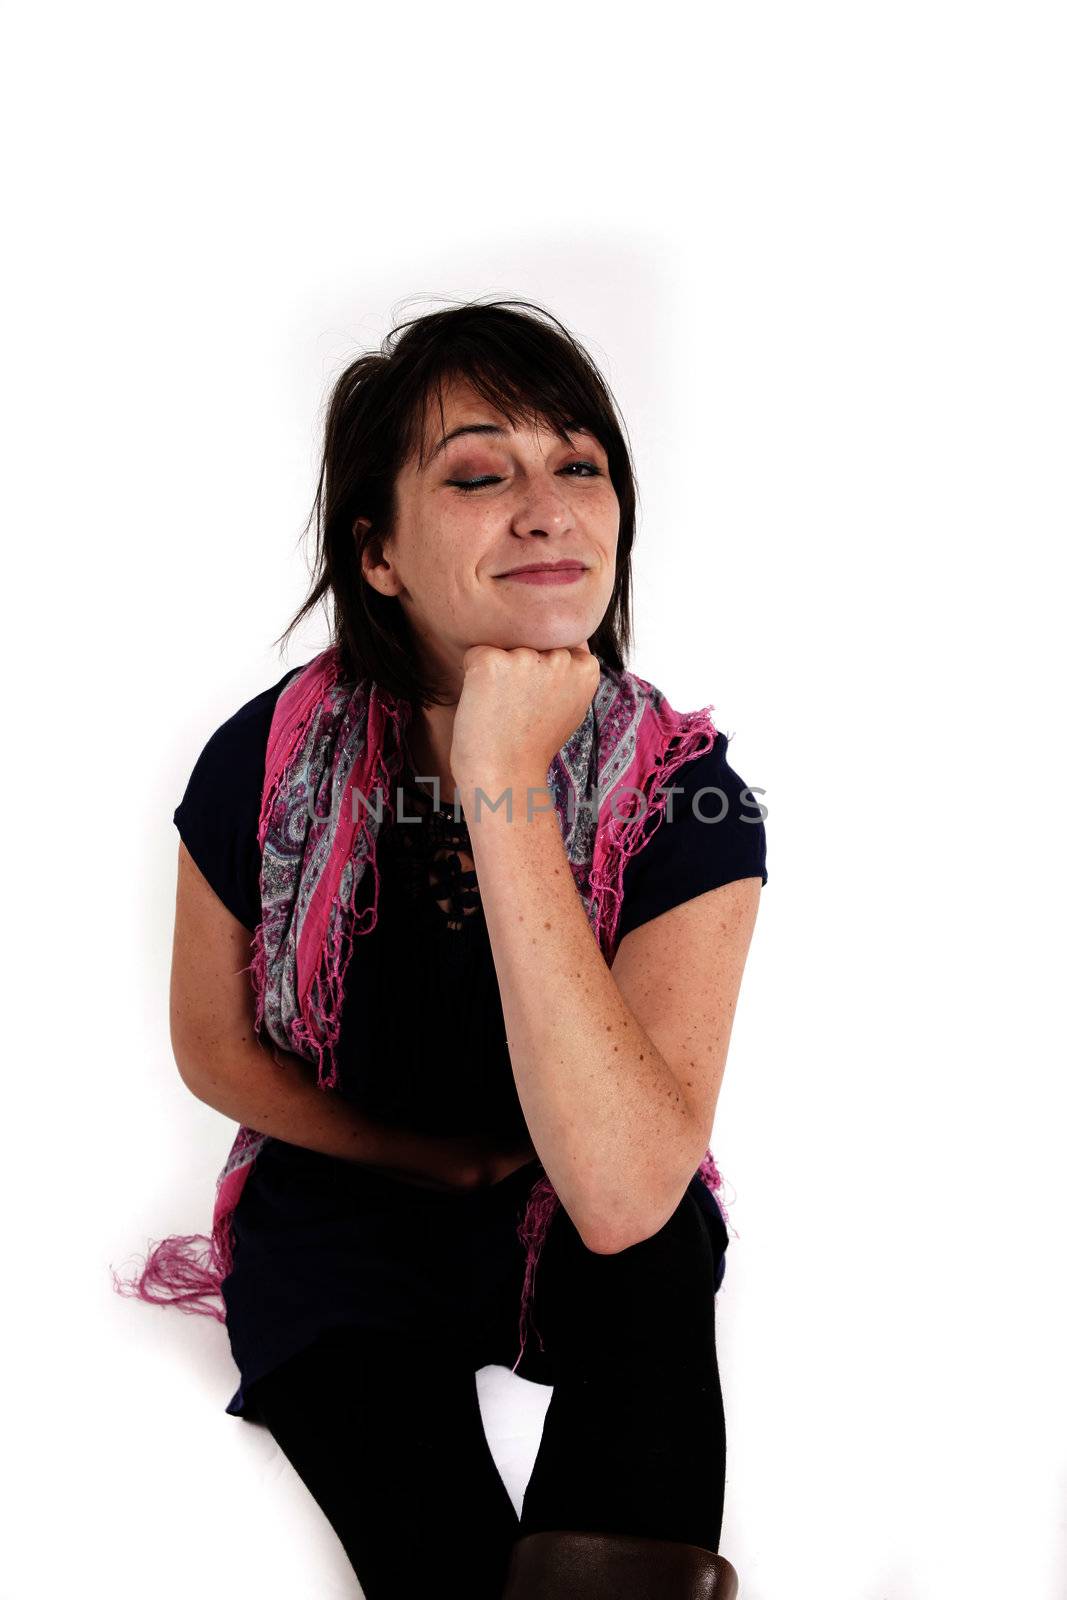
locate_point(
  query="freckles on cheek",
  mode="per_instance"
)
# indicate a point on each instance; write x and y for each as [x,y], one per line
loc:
[457,587]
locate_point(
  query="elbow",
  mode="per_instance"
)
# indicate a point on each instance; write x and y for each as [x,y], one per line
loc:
[601,1233]
[609,1239]
[200,1071]
[601,1245]
[612,1244]
[613,1211]
[207,1063]
[187,1052]
[192,1077]
[624,1230]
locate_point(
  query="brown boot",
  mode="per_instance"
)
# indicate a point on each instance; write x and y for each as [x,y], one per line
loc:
[615,1566]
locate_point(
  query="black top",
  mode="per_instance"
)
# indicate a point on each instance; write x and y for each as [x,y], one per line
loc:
[316,1237]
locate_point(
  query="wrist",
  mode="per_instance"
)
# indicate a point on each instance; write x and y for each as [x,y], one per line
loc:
[519,796]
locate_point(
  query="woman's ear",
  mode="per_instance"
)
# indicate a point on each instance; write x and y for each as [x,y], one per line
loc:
[376,569]
[368,556]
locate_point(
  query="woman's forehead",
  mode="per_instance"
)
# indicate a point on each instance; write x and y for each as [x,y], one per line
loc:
[463,410]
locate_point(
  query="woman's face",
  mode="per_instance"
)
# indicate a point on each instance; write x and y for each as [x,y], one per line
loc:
[538,499]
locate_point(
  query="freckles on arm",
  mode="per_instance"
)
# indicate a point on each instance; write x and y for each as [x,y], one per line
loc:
[609,1118]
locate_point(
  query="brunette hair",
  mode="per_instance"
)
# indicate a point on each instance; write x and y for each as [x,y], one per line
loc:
[522,361]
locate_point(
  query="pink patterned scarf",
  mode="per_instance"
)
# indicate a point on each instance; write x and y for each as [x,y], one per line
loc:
[333,757]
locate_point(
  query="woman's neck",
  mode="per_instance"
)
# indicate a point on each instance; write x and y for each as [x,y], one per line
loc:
[429,744]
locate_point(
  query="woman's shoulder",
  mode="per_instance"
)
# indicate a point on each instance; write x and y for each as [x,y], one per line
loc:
[218,814]
[710,831]
[249,725]
[713,770]
[236,748]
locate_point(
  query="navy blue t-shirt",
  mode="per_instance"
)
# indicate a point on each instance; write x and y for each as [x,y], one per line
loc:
[321,1242]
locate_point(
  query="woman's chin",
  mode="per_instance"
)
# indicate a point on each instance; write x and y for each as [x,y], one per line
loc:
[559,633]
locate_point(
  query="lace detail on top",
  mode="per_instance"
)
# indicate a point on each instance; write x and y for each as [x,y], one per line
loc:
[433,858]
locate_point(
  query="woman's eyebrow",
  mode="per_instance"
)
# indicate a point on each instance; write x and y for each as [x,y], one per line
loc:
[490,427]
[468,427]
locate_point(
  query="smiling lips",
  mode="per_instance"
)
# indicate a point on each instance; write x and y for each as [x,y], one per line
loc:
[546,572]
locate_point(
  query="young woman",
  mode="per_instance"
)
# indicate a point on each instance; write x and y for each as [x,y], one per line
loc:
[498,897]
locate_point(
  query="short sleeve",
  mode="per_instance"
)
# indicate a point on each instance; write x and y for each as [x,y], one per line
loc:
[218,815]
[714,834]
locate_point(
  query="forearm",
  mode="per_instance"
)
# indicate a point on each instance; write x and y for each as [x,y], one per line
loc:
[278,1095]
[610,1123]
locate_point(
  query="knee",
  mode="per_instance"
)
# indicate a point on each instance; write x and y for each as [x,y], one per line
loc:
[685,1238]
[654,1298]
[687,1224]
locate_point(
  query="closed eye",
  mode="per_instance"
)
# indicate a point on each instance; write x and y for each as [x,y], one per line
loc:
[469,484]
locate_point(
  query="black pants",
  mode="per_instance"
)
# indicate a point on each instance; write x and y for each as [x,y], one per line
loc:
[390,1441]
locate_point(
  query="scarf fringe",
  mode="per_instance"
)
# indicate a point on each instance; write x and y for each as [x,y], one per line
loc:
[541,1207]
[624,836]
[316,1029]
[187,1270]
[175,1274]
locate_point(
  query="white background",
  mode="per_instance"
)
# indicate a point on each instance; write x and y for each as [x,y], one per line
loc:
[819,253]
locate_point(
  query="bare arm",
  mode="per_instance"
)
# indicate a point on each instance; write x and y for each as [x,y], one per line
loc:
[223,1063]
[618,1070]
